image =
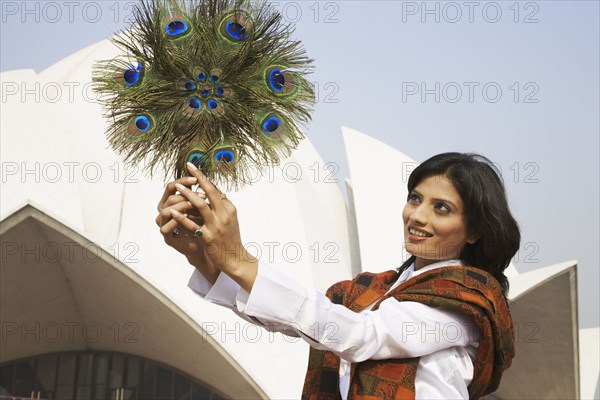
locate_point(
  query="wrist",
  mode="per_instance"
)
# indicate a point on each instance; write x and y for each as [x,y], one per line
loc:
[209,272]
[243,271]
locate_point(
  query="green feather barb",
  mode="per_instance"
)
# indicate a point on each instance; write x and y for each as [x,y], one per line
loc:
[219,83]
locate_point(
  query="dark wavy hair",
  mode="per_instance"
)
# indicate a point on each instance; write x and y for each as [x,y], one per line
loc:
[486,212]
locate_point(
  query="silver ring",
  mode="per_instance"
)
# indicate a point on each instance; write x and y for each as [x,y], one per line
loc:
[176,232]
[198,233]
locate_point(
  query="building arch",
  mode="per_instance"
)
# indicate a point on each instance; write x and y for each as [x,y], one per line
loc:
[61,294]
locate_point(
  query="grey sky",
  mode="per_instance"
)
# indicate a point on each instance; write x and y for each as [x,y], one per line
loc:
[515,81]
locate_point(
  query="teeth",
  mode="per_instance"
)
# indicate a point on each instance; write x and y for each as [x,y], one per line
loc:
[418,233]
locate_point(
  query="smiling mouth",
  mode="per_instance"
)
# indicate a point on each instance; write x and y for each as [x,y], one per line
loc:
[415,232]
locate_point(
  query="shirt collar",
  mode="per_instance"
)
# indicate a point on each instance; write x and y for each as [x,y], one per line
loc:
[446,263]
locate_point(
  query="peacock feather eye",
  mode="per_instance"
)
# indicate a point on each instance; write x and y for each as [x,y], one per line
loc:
[236,27]
[187,86]
[219,91]
[176,26]
[196,157]
[279,80]
[193,105]
[200,75]
[215,75]
[225,156]
[276,80]
[272,126]
[214,106]
[130,76]
[236,31]
[205,90]
[140,125]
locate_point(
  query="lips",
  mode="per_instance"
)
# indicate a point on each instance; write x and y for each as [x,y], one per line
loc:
[418,233]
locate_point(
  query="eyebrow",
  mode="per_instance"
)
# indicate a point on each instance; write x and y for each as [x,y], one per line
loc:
[436,199]
[447,201]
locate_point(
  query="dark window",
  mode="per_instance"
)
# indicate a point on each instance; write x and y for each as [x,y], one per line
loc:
[97,376]
[65,384]
[199,392]
[24,378]
[7,376]
[84,377]
[148,380]
[115,372]
[100,383]
[183,388]
[46,372]
[164,383]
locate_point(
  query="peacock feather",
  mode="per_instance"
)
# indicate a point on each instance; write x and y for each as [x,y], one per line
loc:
[219,83]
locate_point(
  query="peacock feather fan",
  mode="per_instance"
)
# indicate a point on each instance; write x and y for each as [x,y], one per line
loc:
[219,83]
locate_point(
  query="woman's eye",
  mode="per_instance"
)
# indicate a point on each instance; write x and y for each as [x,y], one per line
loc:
[442,207]
[413,197]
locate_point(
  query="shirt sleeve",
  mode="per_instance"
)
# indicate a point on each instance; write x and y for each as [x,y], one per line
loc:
[225,292]
[395,330]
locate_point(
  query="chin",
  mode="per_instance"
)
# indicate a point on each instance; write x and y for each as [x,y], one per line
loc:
[413,249]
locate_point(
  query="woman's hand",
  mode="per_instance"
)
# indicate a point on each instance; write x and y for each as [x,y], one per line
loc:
[220,232]
[180,239]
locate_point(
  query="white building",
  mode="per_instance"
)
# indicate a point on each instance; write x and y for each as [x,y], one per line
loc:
[94,305]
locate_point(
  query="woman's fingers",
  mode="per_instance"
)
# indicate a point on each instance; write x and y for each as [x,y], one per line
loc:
[173,199]
[171,190]
[213,194]
[184,222]
[198,203]
[165,214]
[168,228]
[178,198]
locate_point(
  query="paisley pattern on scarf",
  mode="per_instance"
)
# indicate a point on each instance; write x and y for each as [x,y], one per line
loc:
[469,290]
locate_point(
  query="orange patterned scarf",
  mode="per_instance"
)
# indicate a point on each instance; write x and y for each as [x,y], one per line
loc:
[469,290]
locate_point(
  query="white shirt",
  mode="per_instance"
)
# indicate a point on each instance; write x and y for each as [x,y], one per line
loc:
[445,340]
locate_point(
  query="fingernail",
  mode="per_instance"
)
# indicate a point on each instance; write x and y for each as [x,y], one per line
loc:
[191,180]
[179,186]
[175,213]
[192,166]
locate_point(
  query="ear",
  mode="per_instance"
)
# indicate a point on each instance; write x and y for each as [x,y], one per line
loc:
[472,239]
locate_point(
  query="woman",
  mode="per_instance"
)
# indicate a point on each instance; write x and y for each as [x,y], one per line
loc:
[439,327]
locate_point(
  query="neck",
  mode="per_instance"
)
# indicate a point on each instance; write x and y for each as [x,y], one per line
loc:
[422,262]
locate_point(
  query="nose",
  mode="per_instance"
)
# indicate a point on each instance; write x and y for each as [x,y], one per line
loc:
[417,216]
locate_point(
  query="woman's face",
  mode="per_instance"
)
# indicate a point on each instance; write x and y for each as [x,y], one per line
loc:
[434,227]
